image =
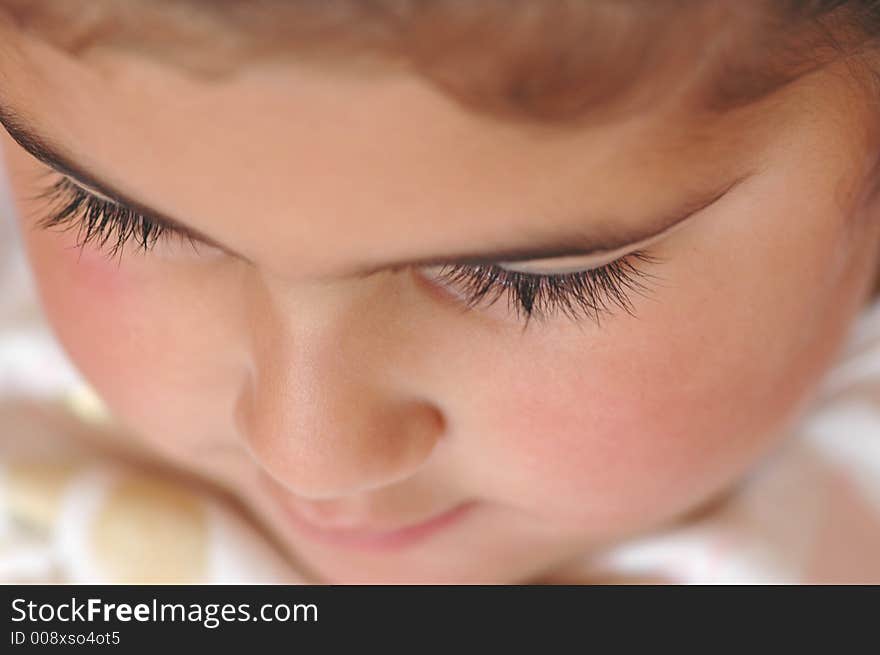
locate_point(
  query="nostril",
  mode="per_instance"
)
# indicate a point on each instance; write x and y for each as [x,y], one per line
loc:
[325,429]
[339,463]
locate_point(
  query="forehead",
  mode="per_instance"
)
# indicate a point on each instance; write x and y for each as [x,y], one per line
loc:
[363,166]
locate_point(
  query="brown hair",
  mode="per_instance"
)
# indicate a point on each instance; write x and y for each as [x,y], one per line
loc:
[550,60]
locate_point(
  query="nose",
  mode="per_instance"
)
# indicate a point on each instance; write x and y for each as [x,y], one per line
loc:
[324,410]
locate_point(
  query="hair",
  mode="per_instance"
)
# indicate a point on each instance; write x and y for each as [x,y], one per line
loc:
[542,61]
[549,60]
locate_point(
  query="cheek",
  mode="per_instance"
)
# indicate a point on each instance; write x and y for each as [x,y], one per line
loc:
[138,338]
[158,335]
[611,443]
[91,304]
[616,444]
[615,429]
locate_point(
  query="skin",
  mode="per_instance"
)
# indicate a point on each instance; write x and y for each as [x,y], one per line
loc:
[378,399]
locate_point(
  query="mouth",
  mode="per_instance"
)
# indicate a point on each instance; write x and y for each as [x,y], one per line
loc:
[369,536]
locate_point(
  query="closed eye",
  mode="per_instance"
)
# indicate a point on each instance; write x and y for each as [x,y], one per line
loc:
[105,222]
[589,293]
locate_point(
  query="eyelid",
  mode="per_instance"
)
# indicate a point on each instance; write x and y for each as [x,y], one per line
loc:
[87,189]
[170,226]
[575,263]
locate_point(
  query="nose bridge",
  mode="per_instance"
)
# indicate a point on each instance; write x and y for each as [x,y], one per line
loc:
[323,412]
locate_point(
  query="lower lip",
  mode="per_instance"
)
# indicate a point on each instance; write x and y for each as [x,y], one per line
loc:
[388,540]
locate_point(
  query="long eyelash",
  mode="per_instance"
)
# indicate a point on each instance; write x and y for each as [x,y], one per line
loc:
[577,295]
[108,223]
[532,296]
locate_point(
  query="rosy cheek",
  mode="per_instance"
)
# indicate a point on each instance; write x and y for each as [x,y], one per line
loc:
[130,330]
[613,437]
[89,299]
[92,275]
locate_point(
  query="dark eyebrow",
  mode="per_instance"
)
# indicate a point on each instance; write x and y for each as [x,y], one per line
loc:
[565,244]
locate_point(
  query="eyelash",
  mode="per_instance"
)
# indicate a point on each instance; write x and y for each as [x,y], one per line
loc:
[577,295]
[108,223]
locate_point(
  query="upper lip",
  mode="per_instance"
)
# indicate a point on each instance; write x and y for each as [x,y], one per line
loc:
[363,527]
[332,517]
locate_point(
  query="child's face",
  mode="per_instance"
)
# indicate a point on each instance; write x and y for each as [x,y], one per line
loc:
[377,402]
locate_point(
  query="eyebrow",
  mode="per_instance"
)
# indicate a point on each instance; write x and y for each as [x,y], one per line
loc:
[570,243]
